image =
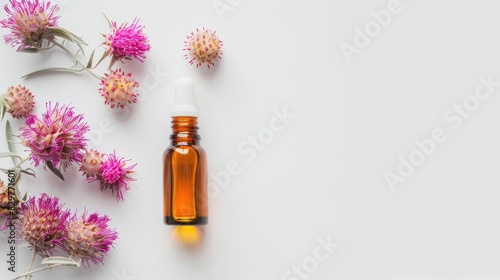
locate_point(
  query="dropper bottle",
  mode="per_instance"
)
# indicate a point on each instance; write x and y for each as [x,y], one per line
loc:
[185,163]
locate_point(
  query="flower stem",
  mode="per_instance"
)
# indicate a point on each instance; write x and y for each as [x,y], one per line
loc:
[76,59]
[28,277]
[29,273]
[22,161]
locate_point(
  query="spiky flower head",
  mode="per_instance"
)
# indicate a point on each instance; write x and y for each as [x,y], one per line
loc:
[57,137]
[115,175]
[89,238]
[203,47]
[19,101]
[127,41]
[42,223]
[28,21]
[118,89]
[91,163]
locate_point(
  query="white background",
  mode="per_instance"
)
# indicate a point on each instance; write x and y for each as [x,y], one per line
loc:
[322,176]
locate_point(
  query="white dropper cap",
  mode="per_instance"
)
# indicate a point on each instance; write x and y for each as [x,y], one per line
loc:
[184,99]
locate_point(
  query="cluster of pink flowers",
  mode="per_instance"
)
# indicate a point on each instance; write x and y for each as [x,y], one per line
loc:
[57,140]
[33,26]
[46,226]
[109,170]
[125,42]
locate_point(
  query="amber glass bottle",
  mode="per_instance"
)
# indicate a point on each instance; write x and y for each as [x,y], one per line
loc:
[185,163]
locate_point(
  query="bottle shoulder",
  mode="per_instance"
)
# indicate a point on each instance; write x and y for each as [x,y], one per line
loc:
[184,150]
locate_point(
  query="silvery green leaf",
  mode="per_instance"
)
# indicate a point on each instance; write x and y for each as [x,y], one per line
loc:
[89,64]
[25,197]
[112,62]
[3,109]
[54,170]
[29,171]
[9,154]
[29,50]
[63,33]
[51,69]
[10,144]
[20,198]
[107,19]
[61,261]
[104,55]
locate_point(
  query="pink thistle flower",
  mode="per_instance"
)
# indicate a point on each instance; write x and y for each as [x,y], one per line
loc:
[118,88]
[89,238]
[203,47]
[28,22]
[42,224]
[115,175]
[19,101]
[127,41]
[58,137]
[91,163]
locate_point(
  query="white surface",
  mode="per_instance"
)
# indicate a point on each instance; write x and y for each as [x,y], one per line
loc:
[320,174]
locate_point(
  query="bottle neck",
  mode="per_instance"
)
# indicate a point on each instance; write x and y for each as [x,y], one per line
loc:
[185,131]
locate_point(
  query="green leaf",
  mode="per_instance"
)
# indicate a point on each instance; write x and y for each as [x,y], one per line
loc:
[112,62]
[61,261]
[29,50]
[54,170]
[29,171]
[104,55]
[89,64]
[10,144]
[63,33]
[9,154]
[3,109]
[52,69]
[107,19]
